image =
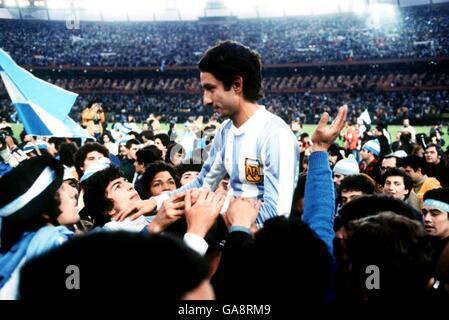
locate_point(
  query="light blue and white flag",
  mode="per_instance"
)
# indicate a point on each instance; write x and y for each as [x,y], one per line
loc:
[42,107]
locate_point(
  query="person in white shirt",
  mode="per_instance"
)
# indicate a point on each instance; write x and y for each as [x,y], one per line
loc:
[408,128]
[254,147]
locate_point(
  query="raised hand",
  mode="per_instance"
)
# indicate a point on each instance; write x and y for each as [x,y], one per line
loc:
[324,136]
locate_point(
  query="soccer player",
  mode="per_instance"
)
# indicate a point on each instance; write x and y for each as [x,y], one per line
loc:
[255,147]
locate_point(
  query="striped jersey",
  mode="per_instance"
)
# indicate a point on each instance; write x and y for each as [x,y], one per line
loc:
[262,160]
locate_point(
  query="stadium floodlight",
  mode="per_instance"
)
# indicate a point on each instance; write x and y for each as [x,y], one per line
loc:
[382,13]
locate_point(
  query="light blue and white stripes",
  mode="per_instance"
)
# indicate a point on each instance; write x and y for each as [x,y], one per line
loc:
[42,107]
[262,160]
[443,206]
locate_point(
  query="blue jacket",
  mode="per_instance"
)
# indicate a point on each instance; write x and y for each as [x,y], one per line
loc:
[319,199]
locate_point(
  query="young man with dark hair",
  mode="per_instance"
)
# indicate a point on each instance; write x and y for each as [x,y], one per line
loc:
[159,177]
[87,155]
[147,137]
[435,164]
[107,192]
[415,167]
[389,161]
[435,213]
[144,157]
[249,145]
[162,141]
[127,163]
[354,186]
[187,172]
[254,266]
[397,183]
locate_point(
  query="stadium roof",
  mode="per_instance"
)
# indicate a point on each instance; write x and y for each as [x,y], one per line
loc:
[175,10]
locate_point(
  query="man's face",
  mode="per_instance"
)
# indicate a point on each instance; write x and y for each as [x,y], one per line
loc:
[406,122]
[139,167]
[436,221]
[332,159]
[415,175]
[388,163]
[432,156]
[122,194]
[91,158]
[188,176]
[68,198]
[395,186]
[162,181]
[132,151]
[349,195]
[365,154]
[158,143]
[337,178]
[225,103]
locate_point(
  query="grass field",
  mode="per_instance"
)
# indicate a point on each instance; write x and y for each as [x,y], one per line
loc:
[309,128]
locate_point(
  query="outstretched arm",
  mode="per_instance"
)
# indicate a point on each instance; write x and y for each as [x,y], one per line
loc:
[319,202]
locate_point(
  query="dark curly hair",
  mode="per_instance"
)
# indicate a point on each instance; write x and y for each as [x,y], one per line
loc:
[401,250]
[82,152]
[150,173]
[97,205]
[396,172]
[230,59]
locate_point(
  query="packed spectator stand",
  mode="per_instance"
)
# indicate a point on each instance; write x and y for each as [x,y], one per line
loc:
[250,208]
[396,68]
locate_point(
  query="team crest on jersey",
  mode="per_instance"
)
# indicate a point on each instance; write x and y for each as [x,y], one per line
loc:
[253,171]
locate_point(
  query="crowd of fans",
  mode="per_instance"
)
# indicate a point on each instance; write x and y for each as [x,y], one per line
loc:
[369,219]
[386,209]
[390,107]
[425,107]
[415,33]
[290,83]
